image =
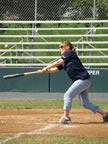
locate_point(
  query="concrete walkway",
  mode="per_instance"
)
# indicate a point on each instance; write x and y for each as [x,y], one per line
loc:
[33,96]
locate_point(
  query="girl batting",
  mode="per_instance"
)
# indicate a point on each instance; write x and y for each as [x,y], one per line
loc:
[70,62]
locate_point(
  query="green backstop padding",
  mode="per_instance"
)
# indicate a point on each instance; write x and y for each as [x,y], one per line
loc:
[31,83]
[99,78]
[59,82]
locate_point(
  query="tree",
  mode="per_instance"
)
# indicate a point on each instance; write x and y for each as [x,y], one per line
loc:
[102,9]
[49,9]
[52,9]
[17,9]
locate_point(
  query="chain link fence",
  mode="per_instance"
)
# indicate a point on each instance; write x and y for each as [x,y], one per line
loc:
[53,10]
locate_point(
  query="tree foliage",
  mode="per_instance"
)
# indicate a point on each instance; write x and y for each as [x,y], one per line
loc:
[53,9]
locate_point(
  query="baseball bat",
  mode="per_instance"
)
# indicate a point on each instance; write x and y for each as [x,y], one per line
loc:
[18,75]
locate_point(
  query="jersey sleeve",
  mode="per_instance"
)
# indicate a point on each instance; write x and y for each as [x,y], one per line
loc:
[60,67]
[68,55]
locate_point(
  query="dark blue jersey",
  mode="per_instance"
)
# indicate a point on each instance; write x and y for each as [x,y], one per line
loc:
[73,66]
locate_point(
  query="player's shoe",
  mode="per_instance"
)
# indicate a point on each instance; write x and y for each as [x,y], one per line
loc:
[105,118]
[64,120]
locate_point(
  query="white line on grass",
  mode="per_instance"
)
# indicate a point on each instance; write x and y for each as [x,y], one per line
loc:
[39,131]
[47,127]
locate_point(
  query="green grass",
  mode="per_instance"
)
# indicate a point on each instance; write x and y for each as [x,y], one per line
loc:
[5,136]
[31,104]
[45,139]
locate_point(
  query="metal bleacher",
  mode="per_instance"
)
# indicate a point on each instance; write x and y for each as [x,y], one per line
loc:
[33,48]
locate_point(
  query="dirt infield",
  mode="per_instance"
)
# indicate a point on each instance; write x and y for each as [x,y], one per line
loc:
[43,121]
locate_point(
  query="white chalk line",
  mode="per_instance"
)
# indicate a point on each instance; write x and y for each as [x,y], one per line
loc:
[69,126]
[11,138]
[47,127]
[39,131]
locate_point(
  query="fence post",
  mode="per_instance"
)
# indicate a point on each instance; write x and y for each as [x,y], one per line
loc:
[35,10]
[94,10]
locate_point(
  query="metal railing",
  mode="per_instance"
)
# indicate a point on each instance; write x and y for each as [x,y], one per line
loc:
[28,51]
